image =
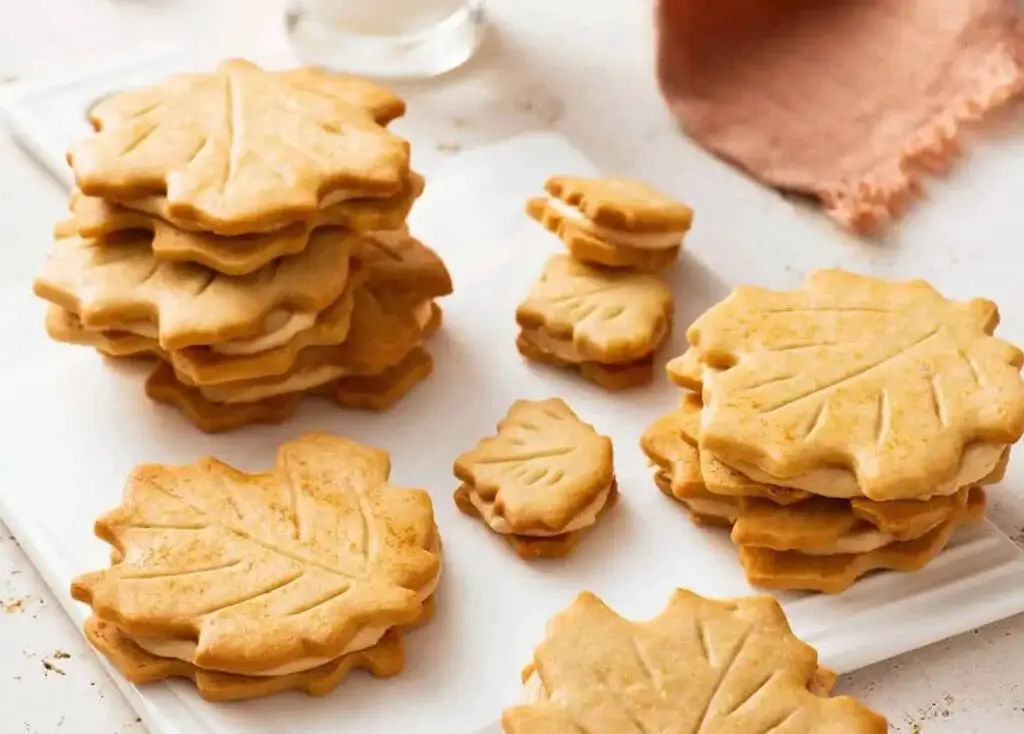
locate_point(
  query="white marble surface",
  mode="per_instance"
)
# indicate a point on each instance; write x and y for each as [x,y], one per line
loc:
[581,67]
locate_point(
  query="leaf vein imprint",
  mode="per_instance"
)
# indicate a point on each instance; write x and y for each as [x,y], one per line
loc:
[242,533]
[937,403]
[650,672]
[249,595]
[723,674]
[527,455]
[145,575]
[883,418]
[859,372]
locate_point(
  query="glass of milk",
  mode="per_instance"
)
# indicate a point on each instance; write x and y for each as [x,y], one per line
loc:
[388,39]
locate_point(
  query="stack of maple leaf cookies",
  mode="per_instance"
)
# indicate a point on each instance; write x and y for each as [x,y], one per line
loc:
[542,482]
[605,308]
[845,426]
[253,584]
[247,227]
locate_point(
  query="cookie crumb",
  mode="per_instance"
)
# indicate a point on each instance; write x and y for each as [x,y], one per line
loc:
[61,655]
[448,147]
[15,607]
[51,668]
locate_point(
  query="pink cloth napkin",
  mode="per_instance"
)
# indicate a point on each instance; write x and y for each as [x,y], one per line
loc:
[846,101]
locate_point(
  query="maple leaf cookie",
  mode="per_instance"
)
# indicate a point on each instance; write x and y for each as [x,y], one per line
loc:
[241,150]
[717,667]
[613,222]
[225,577]
[607,324]
[544,479]
[856,386]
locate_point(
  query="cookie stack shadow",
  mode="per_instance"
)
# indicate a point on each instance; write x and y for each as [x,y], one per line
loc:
[260,256]
[841,428]
[605,308]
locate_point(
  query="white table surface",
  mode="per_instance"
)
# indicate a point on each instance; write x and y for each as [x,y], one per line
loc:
[549,65]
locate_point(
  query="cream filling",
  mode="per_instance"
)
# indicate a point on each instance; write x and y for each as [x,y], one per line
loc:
[230,394]
[561,348]
[979,460]
[586,517]
[565,349]
[717,508]
[281,326]
[422,312]
[639,240]
[860,541]
[336,197]
[369,636]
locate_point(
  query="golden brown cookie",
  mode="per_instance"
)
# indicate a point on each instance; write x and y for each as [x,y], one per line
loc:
[208,365]
[718,476]
[368,392]
[95,218]
[124,288]
[613,222]
[384,659]
[834,573]
[266,574]
[381,391]
[592,315]
[686,371]
[888,385]
[782,521]
[209,417]
[544,473]
[64,326]
[530,547]
[242,150]
[611,377]
[403,266]
[382,332]
[672,443]
[714,667]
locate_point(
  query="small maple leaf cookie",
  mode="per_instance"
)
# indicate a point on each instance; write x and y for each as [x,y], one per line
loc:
[546,476]
[602,322]
[266,574]
[717,667]
[856,386]
[613,222]
[241,150]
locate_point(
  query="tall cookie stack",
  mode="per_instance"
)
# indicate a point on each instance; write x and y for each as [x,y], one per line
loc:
[252,584]
[839,428]
[248,228]
[605,308]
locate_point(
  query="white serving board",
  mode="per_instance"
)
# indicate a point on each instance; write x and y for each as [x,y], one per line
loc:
[74,426]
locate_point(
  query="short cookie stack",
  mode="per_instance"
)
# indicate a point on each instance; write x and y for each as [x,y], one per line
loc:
[542,482]
[839,428]
[606,309]
[253,584]
[248,228]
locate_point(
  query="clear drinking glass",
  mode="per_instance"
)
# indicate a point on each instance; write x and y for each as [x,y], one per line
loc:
[389,39]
